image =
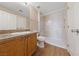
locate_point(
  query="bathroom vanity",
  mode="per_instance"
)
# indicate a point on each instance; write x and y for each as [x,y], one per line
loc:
[18,44]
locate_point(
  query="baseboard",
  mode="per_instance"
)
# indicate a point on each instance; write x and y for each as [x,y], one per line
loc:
[54,44]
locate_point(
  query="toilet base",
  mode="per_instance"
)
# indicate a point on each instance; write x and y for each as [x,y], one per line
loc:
[40,45]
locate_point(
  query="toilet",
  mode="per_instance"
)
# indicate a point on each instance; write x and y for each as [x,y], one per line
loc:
[41,41]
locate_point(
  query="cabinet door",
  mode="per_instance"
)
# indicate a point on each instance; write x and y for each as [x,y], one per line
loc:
[7,48]
[4,50]
[32,44]
[16,46]
[13,47]
[20,46]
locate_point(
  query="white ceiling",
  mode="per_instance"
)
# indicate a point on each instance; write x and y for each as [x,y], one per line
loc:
[45,7]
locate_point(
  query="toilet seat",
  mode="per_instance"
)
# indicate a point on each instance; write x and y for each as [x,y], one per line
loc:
[41,38]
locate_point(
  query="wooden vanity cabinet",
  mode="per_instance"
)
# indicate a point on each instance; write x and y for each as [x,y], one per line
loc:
[19,46]
[7,48]
[31,43]
[13,47]
[4,50]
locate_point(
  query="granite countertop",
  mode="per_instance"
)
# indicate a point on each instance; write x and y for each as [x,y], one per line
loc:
[9,35]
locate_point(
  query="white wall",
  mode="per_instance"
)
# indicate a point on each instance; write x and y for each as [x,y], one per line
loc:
[42,26]
[54,29]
